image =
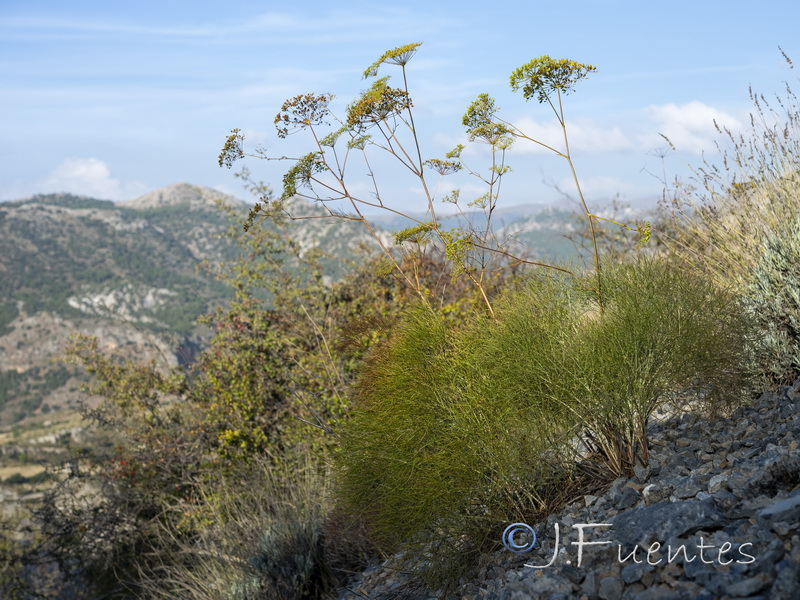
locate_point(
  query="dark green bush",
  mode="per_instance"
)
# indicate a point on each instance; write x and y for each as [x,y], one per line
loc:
[16,479]
[394,447]
[413,454]
[8,312]
[19,478]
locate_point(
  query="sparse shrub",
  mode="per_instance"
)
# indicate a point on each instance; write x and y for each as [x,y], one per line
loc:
[286,349]
[13,582]
[456,432]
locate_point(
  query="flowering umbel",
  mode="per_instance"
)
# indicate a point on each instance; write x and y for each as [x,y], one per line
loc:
[481,123]
[302,111]
[398,56]
[377,104]
[544,75]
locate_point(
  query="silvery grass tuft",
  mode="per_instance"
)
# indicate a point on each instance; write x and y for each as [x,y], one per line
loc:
[772,293]
[739,225]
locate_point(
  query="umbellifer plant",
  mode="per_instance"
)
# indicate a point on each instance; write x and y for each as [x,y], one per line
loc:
[382,120]
[454,431]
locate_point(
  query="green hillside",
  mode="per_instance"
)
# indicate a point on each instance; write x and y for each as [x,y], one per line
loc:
[124,272]
[61,254]
[128,274]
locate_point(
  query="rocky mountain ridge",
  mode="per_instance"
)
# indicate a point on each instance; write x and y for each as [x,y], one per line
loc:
[127,273]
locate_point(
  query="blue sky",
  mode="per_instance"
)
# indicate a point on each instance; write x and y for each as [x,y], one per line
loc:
[115,99]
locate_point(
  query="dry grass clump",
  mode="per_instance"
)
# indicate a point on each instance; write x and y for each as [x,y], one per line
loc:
[266,535]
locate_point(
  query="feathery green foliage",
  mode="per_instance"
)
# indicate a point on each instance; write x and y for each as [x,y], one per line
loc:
[665,332]
[456,432]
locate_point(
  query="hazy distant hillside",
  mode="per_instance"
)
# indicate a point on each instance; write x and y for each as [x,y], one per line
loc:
[124,272]
[542,234]
[537,231]
[77,256]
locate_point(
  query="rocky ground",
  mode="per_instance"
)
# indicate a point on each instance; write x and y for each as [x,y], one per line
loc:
[716,514]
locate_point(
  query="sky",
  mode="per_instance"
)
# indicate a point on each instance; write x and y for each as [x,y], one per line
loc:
[112,100]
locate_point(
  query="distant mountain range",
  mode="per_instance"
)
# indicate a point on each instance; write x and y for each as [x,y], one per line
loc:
[126,272]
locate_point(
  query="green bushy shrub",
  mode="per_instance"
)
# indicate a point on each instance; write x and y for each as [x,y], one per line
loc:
[773,294]
[402,397]
[414,459]
[454,434]
[666,333]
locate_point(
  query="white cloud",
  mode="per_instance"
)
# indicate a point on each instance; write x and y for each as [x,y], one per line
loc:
[254,138]
[584,136]
[690,126]
[599,186]
[90,177]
